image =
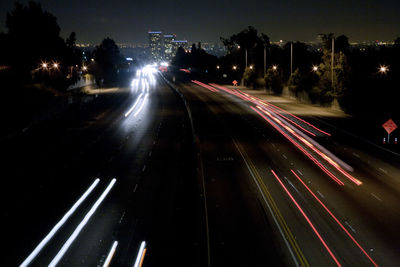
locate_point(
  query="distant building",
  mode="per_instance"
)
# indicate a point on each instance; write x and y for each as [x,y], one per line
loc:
[169,50]
[177,43]
[156,46]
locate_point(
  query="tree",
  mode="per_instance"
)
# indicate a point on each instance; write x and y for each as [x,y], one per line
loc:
[246,41]
[273,80]
[326,41]
[342,44]
[31,25]
[180,59]
[397,42]
[248,76]
[295,82]
[107,58]
[70,41]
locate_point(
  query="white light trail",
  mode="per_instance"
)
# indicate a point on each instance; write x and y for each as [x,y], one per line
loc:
[134,105]
[53,231]
[110,254]
[141,105]
[82,224]
[140,254]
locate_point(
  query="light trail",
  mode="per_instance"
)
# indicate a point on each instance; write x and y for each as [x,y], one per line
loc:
[205,86]
[264,103]
[110,254]
[322,167]
[134,105]
[140,255]
[141,105]
[335,219]
[53,231]
[308,220]
[82,224]
[313,148]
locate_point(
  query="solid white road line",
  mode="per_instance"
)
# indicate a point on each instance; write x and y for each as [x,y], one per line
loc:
[53,231]
[110,254]
[82,224]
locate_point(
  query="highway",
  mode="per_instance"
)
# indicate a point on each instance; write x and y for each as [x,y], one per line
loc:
[335,208]
[195,174]
[107,184]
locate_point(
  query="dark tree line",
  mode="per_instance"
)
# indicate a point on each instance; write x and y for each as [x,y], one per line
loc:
[196,59]
[34,52]
[357,82]
[32,38]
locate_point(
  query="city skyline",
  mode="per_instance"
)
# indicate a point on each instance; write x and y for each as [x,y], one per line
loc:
[127,22]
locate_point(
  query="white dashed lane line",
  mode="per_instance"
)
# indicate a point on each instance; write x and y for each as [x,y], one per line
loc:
[375,196]
[319,193]
[382,170]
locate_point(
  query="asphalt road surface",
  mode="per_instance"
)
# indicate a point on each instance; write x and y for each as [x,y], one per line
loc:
[194,174]
[350,224]
[140,136]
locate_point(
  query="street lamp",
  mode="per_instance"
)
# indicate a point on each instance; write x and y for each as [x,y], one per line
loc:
[274,67]
[84,68]
[314,68]
[55,65]
[218,67]
[383,69]
[234,67]
[44,65]
[251,67]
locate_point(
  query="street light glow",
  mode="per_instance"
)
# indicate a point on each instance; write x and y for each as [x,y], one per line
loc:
[84,68]
[251,67]
[44,65]
[274,67]
[383,69]
[55,65]
[315,68]
[234,67]
[218,67]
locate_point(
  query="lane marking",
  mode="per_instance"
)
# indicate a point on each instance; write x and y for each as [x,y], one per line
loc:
[283,155]
[375,196]
[82,224]
[319,193]
[110,254]
[382,170]
[307,219]
[144,168]
[53,231]
[335,219]
[287,236]
[134,189]
[356,155]
[351,228]
[122,217]
[320,165]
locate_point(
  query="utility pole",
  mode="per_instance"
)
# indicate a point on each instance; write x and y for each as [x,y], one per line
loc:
[265,60]
[291,58]
[332,63]
[246,56]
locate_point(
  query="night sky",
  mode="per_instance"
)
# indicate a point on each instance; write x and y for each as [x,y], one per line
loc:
[207,20]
